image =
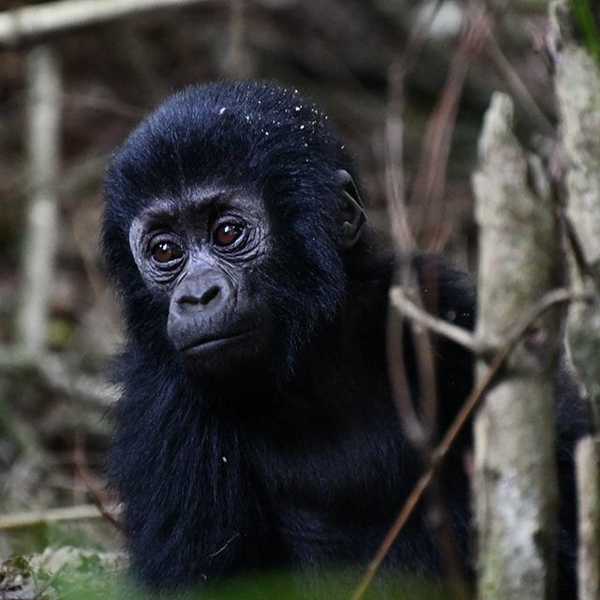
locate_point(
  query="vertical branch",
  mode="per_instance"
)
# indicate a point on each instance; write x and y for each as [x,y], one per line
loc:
[577,85]
[587,457]
[43,114]
[515,479]
[394,167]
[420,429]
[237,63]
[430,181]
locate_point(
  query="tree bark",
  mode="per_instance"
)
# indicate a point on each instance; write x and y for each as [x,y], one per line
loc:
[577,85]
[515,479]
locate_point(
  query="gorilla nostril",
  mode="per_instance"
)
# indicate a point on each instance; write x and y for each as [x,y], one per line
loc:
[198,297]
[199,300]
[209,295]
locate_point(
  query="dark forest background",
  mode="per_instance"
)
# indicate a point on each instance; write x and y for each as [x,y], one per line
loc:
[372,65]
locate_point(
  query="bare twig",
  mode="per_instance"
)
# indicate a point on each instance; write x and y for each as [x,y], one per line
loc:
[409,420]
[24,24]
[50,515]
[419,429]
[394,162]
[460,336]
[394,132]
[425,360]
[430,182]
[517,86]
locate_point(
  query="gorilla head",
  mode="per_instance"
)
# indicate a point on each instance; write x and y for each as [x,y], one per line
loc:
[231,216]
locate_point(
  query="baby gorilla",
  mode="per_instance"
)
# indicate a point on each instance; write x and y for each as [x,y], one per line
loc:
[256,428]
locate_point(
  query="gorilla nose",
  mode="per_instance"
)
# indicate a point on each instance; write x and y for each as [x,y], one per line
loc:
[201,296]
[202,299]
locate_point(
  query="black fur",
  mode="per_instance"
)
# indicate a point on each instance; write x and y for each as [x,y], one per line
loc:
[300,462]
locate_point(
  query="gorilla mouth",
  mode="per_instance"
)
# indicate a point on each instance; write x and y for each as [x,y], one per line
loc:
[214,342]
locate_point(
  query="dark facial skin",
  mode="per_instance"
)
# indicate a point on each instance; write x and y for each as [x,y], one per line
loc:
[201,254]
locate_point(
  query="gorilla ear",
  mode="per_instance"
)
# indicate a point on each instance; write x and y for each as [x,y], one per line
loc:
[352,213]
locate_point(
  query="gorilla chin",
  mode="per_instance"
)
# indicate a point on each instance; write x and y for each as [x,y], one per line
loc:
[224,355]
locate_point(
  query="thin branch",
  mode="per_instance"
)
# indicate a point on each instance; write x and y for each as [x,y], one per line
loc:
[394,162]
[550,300]
[430,182]
[517,86]
[237,63]
[25,24]
[407,307]
[401,390]
[420,429]
[394,132]
[52,515]
[43,144]
[577,249]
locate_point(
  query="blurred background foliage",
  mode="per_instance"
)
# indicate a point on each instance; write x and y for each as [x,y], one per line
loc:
[364,62]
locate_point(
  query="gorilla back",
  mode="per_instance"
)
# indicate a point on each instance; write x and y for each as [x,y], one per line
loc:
[256,428]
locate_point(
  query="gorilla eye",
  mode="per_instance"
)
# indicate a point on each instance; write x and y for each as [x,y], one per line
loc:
[164,252]
[227,233]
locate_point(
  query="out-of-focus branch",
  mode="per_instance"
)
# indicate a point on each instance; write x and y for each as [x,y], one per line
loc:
[517,86]
[57,376]
[577,85]
[409,309]
[394,162]
[25,24]
[44,112]
[515,479]
[416,431]
[237,63]
[430,181]
[52,515]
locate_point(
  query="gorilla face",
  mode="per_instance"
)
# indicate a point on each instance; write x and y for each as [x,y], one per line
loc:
[202,255]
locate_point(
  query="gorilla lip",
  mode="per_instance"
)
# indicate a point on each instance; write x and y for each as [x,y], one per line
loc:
[214,342]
